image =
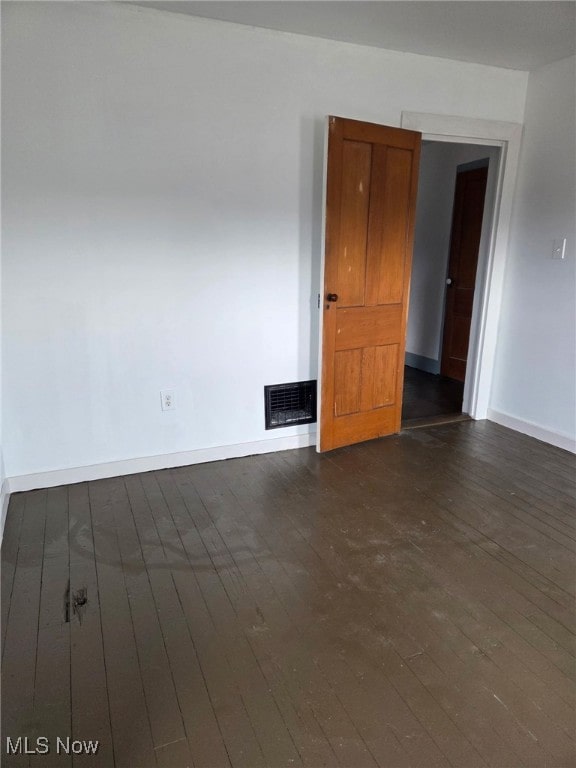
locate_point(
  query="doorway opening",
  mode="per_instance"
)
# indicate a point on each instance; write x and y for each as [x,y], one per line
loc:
[454,219]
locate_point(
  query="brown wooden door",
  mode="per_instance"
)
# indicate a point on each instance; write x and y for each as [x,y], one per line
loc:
[370,205]
[464,244]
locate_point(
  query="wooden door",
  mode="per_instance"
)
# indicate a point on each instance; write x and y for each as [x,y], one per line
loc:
[372,178]
[464,245]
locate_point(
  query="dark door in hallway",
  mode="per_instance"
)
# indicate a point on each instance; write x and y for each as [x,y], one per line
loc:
[464,245]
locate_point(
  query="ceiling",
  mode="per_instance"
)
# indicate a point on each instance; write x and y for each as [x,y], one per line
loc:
[516,35]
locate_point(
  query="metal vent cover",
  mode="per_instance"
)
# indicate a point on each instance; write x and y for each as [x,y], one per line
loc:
[289,404]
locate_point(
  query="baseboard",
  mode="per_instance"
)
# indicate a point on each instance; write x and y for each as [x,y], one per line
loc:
[422,363]
[4,500]
[559,439]
[149,463]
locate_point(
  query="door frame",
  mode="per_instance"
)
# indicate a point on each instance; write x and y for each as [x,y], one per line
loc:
[488,295]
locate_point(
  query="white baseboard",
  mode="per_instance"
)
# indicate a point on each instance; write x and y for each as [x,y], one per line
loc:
[559,439]
[149,463]
[4,499]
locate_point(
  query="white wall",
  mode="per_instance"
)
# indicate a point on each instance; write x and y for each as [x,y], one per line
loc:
[436,183]
[535,373]
[4,495]
[162,208]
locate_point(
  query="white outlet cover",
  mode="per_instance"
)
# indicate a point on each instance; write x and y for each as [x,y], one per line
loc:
[167,400]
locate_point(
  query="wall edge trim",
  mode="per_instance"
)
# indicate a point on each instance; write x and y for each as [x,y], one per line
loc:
[530,428]
[71,475]
[4,501]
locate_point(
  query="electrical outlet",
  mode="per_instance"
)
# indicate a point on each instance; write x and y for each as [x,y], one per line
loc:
[167,400]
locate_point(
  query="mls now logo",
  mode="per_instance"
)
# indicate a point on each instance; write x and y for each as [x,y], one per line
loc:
[41,746]
[69,747]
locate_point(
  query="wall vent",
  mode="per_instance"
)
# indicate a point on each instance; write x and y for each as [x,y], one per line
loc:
[289,404]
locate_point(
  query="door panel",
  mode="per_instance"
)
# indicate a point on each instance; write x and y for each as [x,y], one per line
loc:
[464,245]
[347,381]
[379,371]
[354,222]
[370,206]
[363,326]
[391,216]
[364,425]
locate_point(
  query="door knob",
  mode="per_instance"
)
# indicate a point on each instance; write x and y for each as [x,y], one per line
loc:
[448,281]
[332,297]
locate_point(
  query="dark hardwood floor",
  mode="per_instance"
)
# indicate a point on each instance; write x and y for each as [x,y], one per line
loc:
[427,396]
[405,602]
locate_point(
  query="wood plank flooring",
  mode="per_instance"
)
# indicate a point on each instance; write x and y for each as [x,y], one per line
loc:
[404,602]
[429,396]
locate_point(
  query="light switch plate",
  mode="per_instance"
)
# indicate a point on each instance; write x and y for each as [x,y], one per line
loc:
[559,248]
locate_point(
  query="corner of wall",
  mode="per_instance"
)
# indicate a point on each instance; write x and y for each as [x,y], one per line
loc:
[4,500]
[422,363]
[537,431]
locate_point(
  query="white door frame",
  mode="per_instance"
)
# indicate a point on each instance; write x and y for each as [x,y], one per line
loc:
[507,136]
